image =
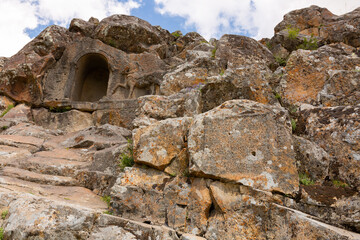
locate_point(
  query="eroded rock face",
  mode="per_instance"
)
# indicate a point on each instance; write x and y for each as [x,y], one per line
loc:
[336,130]
[321,23]
[159,144]
[130,34]
[327,76]
[240,156]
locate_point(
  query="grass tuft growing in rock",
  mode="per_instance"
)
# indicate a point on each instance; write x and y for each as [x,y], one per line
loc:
[9,107]
[1,233]
[106,199]
[4,214]
[304,179]
[309,44]
[127,158]
[338,183]
[292,32]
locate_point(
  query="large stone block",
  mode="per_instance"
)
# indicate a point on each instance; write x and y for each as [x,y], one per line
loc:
[246,142]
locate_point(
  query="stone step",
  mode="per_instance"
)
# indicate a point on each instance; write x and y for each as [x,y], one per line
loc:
[37,177]
[30,143]
[51,165]
[68,194]
[10,154]
[63,153]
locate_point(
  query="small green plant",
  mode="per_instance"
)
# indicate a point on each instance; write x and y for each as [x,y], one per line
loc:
[176,34]
[9,107]
[304,179]
[269,45]
[213,53]
[108,212]
[204,41]
[127,158]
[309,44]
[222,72]
[1,233]
[4,214]
[338,183]
[4,127]
[277,96]
[292,32]
[281,61]
[106,199]
[59,109]
[293,125]
[293,109]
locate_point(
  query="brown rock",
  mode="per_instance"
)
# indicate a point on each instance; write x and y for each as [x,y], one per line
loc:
[336,130]
[130,34]
[159,144]
[312,160]
[22,74]
[310,77]
[85,28]
[69,121]
[240,156]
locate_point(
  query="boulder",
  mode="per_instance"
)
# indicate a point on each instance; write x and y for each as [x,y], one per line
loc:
[22,74]
[321,23]
[255,148]
[312,160]
[159,144]
[130,34]
[85,28]
[327,76]
[336,130]
[68,121]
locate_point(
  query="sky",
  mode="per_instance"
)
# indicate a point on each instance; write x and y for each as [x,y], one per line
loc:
[22,20]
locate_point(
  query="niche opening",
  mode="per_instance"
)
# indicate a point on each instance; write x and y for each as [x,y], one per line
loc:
[91,78]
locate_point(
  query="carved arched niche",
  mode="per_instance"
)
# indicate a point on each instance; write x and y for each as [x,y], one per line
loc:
[91,78]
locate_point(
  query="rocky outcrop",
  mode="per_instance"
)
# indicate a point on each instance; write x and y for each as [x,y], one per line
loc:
[116,129]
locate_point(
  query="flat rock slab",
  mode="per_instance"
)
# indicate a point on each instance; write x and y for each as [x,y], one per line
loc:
[54,166]
[71,195]
[61,153]
[246,142]
[10,154]
[38,178]
[31,143]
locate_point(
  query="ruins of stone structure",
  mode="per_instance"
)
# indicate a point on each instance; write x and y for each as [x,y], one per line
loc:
[116,129]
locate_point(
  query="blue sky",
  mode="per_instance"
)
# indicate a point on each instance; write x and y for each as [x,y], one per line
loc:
[22,20]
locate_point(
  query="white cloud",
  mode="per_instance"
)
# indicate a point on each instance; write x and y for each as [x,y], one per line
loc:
[15,17]
[212,18]
[18,15]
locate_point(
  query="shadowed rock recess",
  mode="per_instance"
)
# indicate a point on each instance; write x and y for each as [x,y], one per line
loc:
[117,129]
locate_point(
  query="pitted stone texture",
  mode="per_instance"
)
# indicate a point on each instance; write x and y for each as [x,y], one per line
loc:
[312,160]
[327,76]
[250,62]
[130,34]
[70,121]
[246,142]
[337,131]
[159,144]
[320,22]
[149,195]
[22,74]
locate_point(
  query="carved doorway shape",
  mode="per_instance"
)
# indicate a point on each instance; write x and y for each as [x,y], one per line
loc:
[91,78]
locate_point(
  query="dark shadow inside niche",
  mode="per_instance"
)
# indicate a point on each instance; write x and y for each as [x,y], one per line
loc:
[91,78]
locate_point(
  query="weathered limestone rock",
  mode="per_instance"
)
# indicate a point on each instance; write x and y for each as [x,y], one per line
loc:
[69,121]
[336,130]
[240,156]
[159,144]
[20,112]
[250,61]
[322,23]
[137,194]
[130,34]
[21,75]
[325,76]
[4,103]
[152,196]
[85,28]
[312,160]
